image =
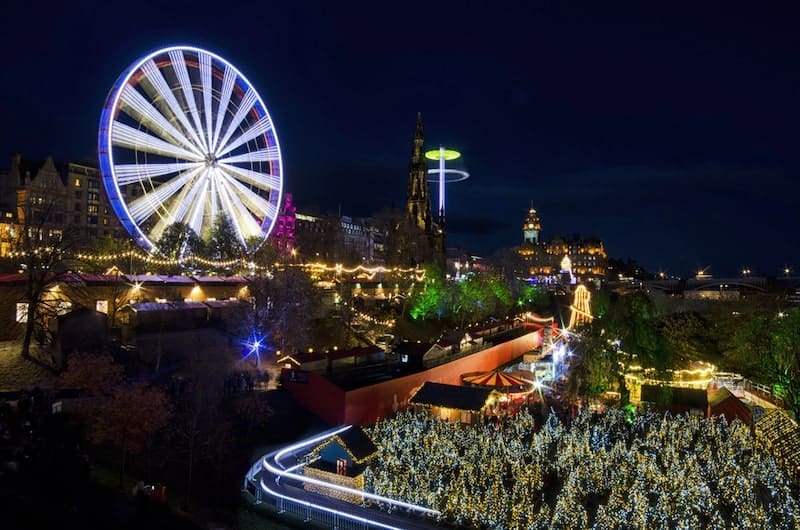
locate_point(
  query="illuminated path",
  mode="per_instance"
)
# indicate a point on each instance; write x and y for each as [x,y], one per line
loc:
[276,477]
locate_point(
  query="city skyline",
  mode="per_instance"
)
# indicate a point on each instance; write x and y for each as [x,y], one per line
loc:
[669,137]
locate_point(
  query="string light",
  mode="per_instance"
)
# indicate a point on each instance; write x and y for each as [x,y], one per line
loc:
[419,274]
[648,471]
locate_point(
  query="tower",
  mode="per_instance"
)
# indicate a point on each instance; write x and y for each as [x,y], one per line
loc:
[531,227]
[418,197]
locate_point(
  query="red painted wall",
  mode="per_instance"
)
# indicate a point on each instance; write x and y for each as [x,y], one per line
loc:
[364,406]
[319,395]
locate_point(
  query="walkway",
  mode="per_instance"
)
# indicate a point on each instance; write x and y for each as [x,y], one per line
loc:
[17,373]
[288,495]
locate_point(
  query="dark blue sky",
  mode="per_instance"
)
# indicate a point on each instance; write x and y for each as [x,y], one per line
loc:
[670,131]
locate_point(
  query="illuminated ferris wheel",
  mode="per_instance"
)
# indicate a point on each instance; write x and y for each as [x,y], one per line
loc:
[185,138]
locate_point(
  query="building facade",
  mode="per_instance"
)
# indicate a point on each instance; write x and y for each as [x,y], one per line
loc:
[68,197]
[574,259]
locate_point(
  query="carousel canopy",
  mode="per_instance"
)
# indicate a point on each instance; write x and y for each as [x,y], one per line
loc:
[495,379]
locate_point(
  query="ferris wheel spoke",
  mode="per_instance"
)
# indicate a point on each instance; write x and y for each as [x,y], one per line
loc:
[227,89]
[143,207]
[245,106]
[195,219]
[133,173]
[254,202]
[179,67]
[182,202]
[138,107]
[163,90]
[124,135]
[177,213]
[205,77]
[262,181]
[270,154]
[214,195]
[242,219]
[260,127]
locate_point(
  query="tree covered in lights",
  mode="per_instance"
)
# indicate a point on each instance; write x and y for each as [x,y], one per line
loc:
[602,471]
[428,299]
[785,366]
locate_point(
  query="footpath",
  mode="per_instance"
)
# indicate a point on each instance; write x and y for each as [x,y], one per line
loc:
[17,373]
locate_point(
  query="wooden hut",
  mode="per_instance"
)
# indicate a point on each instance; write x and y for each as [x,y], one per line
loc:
[466,404]
[341,460]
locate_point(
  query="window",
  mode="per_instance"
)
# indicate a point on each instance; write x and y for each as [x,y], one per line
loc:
[77,182]
[77,207]
[77,219]
[22,312]
[93,196]
[78,194]
[101,306]
[93,208]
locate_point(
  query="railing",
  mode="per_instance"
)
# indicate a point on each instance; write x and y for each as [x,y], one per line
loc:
[258,482]
[764,392]
[307,512]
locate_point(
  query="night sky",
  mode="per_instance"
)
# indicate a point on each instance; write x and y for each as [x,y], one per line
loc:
[669,131]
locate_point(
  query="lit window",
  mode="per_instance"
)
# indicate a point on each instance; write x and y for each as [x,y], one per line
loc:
[22,312]
[102,306]
[77,183]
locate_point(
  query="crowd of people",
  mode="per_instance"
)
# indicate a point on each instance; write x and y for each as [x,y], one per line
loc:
[609,470]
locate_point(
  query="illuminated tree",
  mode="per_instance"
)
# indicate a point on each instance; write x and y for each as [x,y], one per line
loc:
[786,357]
[428,299]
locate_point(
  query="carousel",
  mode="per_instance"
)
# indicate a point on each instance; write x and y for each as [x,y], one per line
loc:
[500,381]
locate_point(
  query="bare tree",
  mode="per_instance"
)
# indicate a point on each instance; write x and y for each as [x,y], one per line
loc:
[41,248]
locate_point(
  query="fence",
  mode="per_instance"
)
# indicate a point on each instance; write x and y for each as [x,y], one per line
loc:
[764,392]
[303,510]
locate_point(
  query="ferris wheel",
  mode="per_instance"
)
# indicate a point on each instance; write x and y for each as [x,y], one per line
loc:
[184,138]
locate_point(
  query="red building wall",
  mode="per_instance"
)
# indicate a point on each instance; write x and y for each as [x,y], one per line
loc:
[318,395]
[364,406]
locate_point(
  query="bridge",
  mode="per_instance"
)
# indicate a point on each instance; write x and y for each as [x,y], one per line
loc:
[758,284]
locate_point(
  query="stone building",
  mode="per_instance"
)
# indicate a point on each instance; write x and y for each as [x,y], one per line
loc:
[68,196]
[569,258]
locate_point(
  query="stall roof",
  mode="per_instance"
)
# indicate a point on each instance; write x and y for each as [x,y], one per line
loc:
[451,396]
